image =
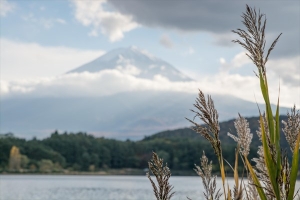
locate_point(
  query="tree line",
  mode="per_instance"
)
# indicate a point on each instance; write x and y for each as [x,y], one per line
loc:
[181,149]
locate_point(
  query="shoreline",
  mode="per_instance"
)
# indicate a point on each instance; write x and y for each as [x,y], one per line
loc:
[111,172]
[107,172]
[100,174]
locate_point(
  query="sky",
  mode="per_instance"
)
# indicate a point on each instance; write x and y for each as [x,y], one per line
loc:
[41,40]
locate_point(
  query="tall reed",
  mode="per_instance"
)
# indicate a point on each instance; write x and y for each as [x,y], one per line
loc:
[273,176]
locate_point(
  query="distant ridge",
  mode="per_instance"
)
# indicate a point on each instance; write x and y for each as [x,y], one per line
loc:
[135,62]
[225,127]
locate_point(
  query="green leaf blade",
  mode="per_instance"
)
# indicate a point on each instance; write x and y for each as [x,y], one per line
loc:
[260,191]
[294,169]
[277,139]
[271,166]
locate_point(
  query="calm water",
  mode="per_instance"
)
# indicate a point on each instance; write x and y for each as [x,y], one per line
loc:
[46,187]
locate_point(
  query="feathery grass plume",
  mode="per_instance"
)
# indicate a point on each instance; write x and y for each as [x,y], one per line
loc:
[285,174]
[262,173]
[243,147]
[258,132]
[162,173]
[263,123]
[209,181]
[254,40]
[273,151]
[272,166]
[244,136]
[207,113]
[250,190]
[271,163]
[261,168]
[292,127]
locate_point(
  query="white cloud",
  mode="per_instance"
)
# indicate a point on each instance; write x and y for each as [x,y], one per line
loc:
[288,69]
[5,7]
[285,69]
[129,69]
[166,41]
[47,23]
[239,60]
[222,61]
[124,65]
[123,60]
[110,23]
[19,60]
[108,82]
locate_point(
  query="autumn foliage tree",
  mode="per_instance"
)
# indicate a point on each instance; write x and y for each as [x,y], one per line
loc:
[14,159]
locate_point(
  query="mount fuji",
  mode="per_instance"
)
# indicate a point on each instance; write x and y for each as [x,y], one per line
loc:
[133,61]
[121,115]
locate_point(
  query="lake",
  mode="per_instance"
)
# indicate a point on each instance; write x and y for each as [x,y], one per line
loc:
[67,187]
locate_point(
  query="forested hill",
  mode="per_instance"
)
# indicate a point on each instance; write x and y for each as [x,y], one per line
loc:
[225,127]
[62,152]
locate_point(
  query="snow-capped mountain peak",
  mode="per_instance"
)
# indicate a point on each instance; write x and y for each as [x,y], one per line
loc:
[133,61]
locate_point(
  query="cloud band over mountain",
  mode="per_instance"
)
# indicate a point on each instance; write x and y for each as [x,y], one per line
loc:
[132,69]
[109,82]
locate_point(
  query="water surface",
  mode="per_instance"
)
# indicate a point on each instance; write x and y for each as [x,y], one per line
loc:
[67,187]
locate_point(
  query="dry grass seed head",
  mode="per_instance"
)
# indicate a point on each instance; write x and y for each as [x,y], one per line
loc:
[244,136]
[162,174]
[251,191]
[262,173]
[207,113]
[254,40]
[208,181]
[271,146]
[292,127]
